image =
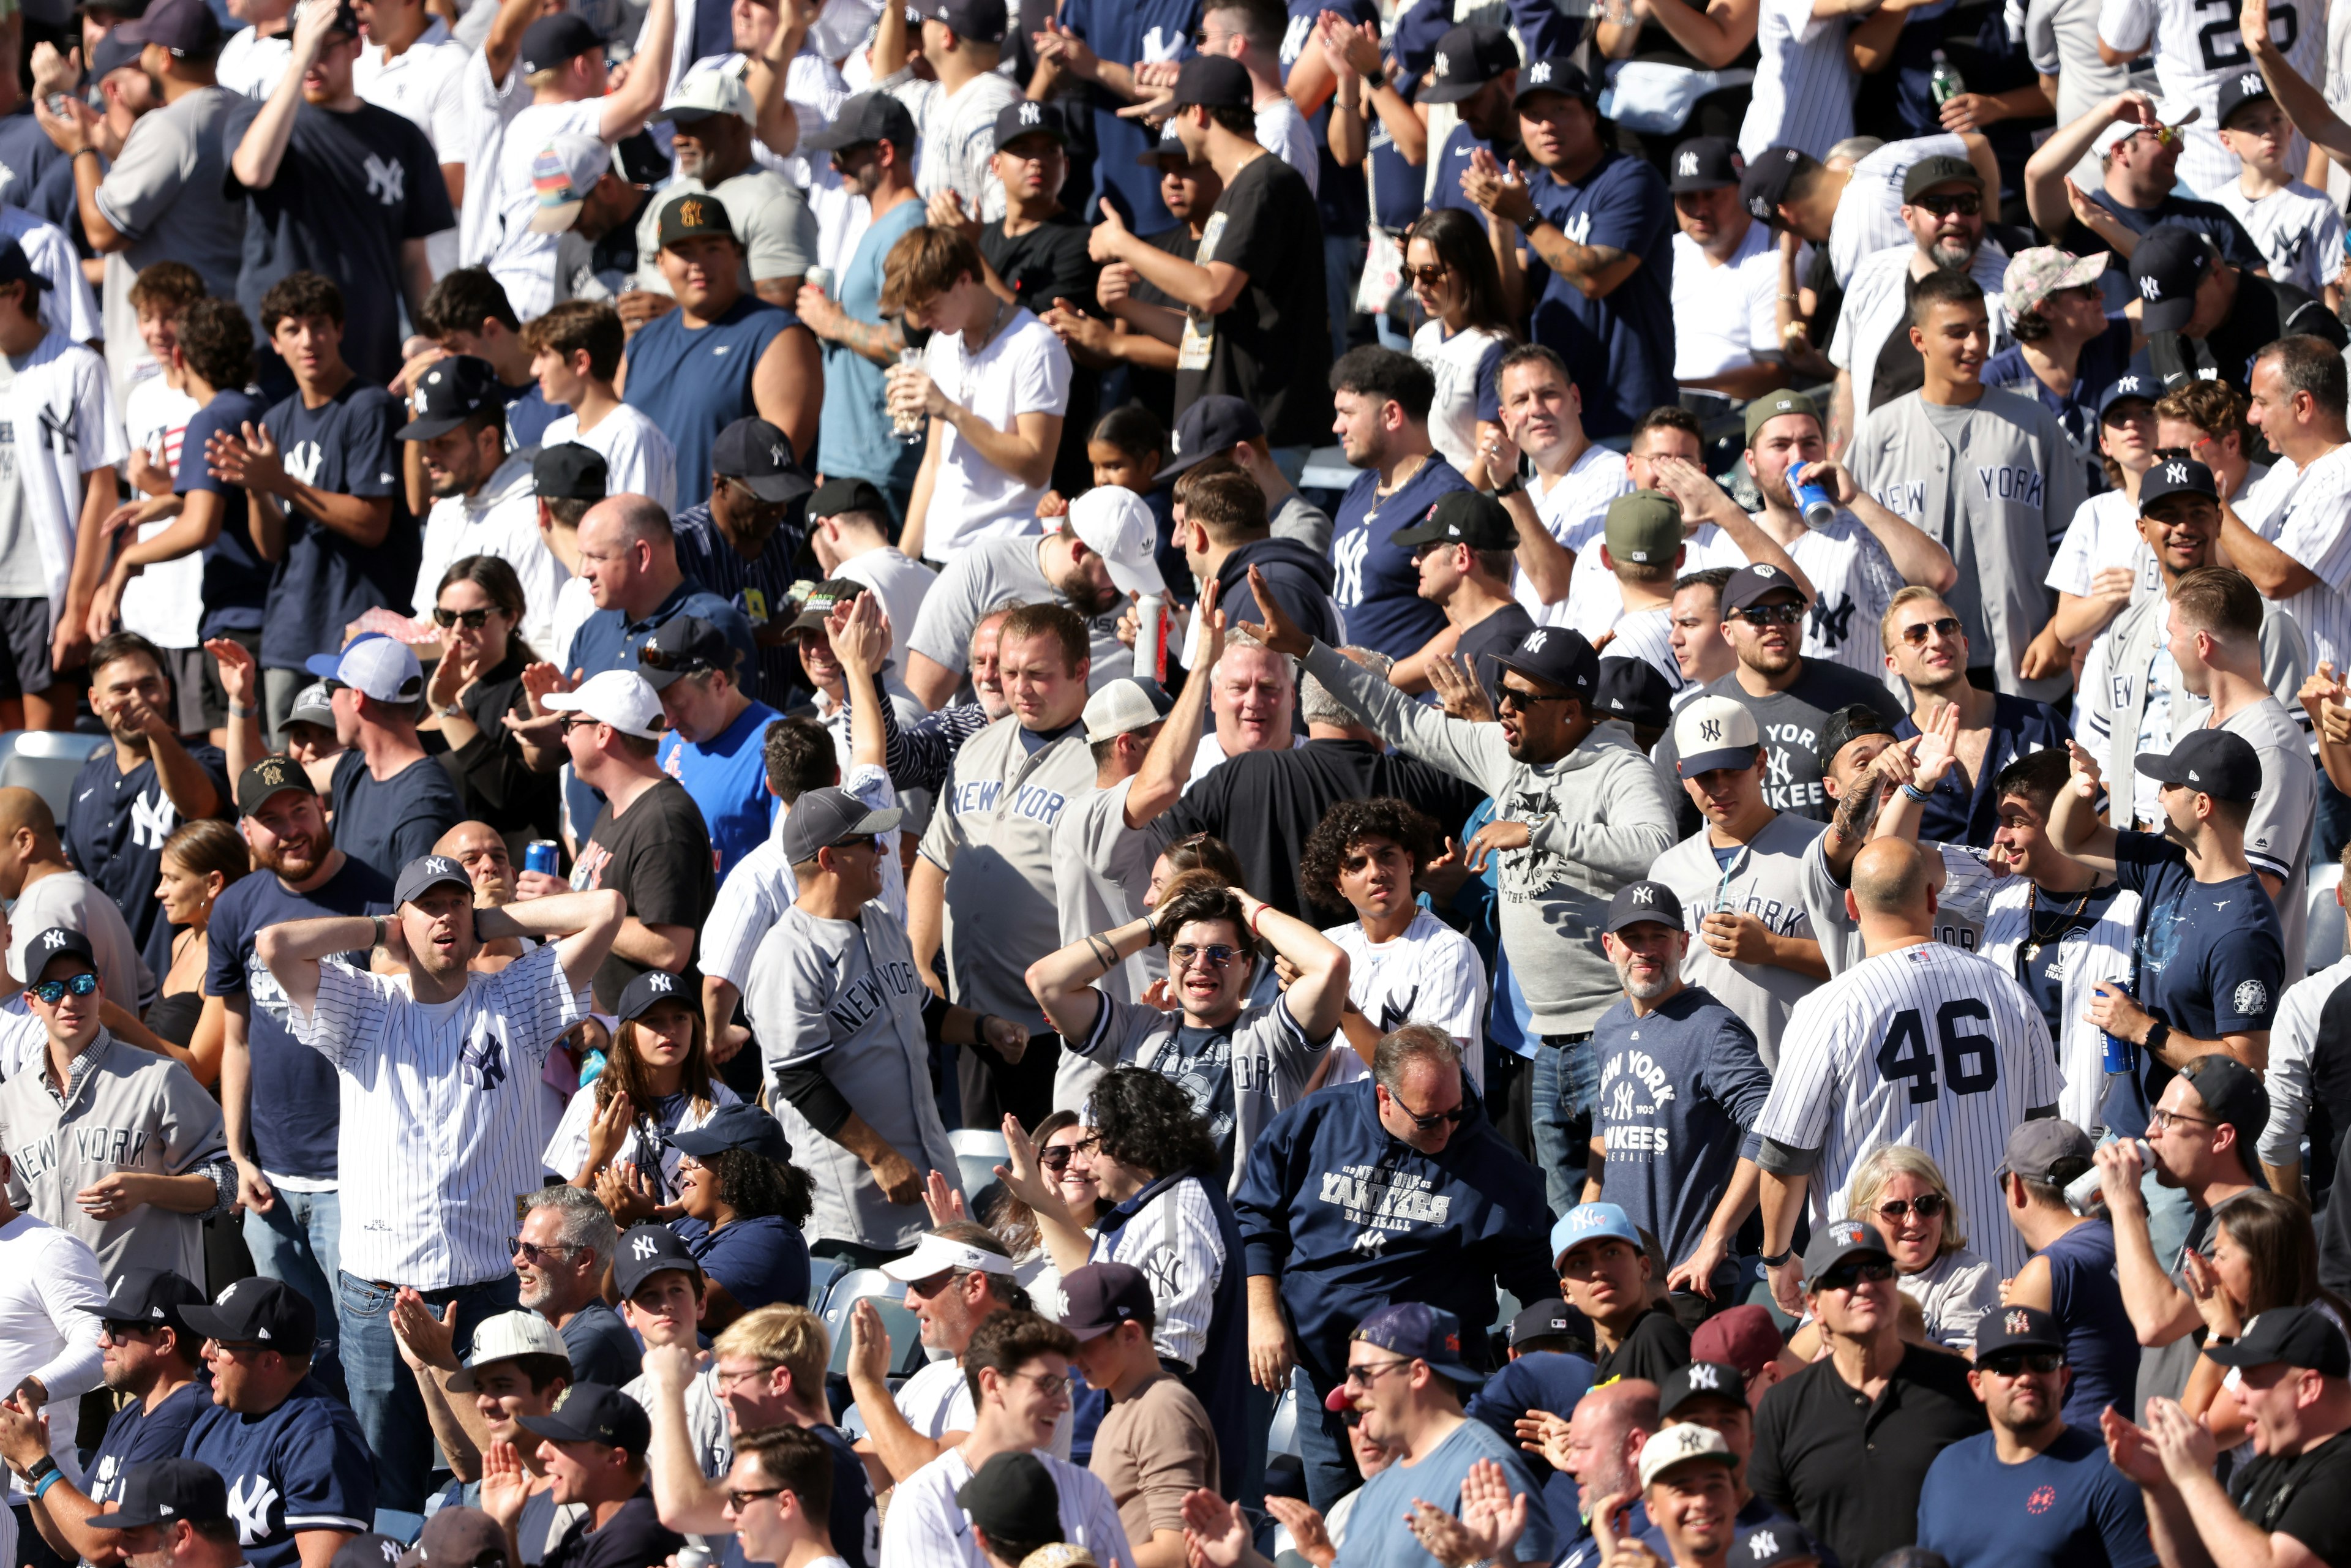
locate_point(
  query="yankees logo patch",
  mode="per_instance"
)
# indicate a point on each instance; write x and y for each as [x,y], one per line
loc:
[2251,996]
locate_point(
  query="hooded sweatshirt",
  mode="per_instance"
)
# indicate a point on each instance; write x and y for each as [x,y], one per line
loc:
[1599,817]
[1350,1218]
[1300,576]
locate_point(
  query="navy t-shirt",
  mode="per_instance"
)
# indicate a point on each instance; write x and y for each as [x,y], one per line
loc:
[1452,163]
[602,1349]
[297,1104]
[236,583]
[2207,957]
[2067,1507]
[528,414]
[1378,586]
[26,153]
[856,1523]
[760,1260]
[2103,361]
[135,1436]
[387,823]
[303,1466]
[1124,34]
[1958,815]
[344,447]
[1549,1380]
[696,382]
[1619,348]
[2086,1300]
[115,827]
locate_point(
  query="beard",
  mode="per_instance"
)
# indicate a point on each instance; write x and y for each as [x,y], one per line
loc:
[1950,253]
[1085,596]
[295,866]
[1644,990]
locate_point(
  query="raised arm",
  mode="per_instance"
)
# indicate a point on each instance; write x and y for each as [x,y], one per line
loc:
[1167,765]
[628,106]
[582,926]
[2045,170]
[263,147]
[2304,103]
[2073,825]
[1318,991]
[291,951]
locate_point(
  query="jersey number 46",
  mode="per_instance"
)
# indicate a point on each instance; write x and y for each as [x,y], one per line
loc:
[1970,1061]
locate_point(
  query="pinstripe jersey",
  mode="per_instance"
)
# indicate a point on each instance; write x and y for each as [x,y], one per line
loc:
[1959,909]
[1853,580]
[2310,520]
[2197,48]
[2297,228]
[437,1113]
[1925,1046]
[1575,509]
[1648,635]
[2082,959]
[1869,212]
[1803,82]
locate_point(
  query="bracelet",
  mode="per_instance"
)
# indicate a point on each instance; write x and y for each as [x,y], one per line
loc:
[378,940]
[1794,299]
[1258,917]
[41,1488]
[1914,793]
[237,712]
[979,1027]
[79,150]
[1774,1260]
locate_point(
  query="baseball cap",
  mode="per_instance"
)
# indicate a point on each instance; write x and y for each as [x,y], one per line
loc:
[1633,690]
[375,665]
[1847,724]
[1940,170]
[257,1312]
[2246,86]
[2231,1090]
[161,1492]
[739,1124]
[1837,1241]
[618,697]
[1716,732]
[1742,1336]
[427,871]
[1635,903]
[828,816]
[2169,265]
[1705,163]
[113,52]
[1214,81]
[2212,762]
[760,455]
[561,175]
[2139,380]
[1765,184]
[1123,707]
[1013,1498]
[16,267]
[1751,585]
[1553,1319]
[2017,1328]
[981,21]
[936,1254]
[1555,73]
[683,645]
[1700,1380]
[1029,118]
[1680,1445]
[267,778]
[1100,1296]
[556,40]
[2048,1149]
[1216,422]
[2035,274]
[1591,1222]
[1557,656]
[454,1537]
[375,1549]
[697,215]
[1469,517]
[1169,145]
[835,497]
[1423,1333]
[1112,522]
[505,1337]
[312,705]
[186,27]
[57,942]
[568,471]
[450,390]
[1469,55]
[638,995]
[1642,526]
[594,1413]
[2120,130]
[704,94]
[644,1250]
[869,117]
[2176,477]
[1773,407]
[822,600]
[2298,1336]
[154,1296]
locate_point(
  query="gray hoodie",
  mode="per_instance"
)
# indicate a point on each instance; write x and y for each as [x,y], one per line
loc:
[1600,818]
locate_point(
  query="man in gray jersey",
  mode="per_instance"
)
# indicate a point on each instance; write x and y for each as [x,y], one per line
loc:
[121,1146]
[984,886]
[835,1002]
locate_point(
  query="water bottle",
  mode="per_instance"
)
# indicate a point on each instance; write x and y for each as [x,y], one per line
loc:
[2084,1193]
[1944,83]
[693,1556]
[1151,638]
[543,855]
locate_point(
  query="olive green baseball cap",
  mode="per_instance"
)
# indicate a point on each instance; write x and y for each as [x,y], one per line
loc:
[1644,529]
[1773,407]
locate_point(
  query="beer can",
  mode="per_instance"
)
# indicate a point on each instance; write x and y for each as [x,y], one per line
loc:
[543,855]
[2086,1194]
[1151,638]
[1817,504]
[2121,1055]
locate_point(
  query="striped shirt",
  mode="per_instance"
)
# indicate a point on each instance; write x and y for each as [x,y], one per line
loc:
[2297,228]
[2085,957]
[1869,212]
[1853,580]
[1574,508]
[2197,48]
[956,139]
[1803,82]
[1924,1046]
[1648,635]
[2293,1041]
[1594,598]
[2309,517]
[437,1112]
[1960,907]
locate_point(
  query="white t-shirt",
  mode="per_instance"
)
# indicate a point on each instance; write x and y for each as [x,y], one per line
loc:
[1429,975]
[500,519]
[165,602]
[1024,369]
[420,82]
[1595,600]
[1282,131]
[1574,508]
[638,456]
[251,64]
[1726,314]
[928,1528]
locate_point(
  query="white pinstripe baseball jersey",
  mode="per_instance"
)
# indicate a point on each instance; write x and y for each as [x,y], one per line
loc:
[437,1120]
[2197,48]
[1574,508]
[1869,214]
[2078,960]
[1803,83]
[1648,635]
[2104,533]
[2311,521]
[1925,1046]
[1853,580]
[1960,908]
[2297,228]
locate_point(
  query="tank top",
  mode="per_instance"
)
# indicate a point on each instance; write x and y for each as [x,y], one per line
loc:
[694,383]
[2086,1300]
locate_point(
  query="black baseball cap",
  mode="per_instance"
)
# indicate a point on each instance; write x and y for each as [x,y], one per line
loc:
[186,27]
[112,52]
[1029,118]
[260,1311]
[375,1549]
[2212,762]
[822,600]
[569,471]
[1644,900]
[1765,184]
[1468,56]
[981,21]
[1169,145]
[1555,73]
[2231,1090]
[685,645]
[594,1413]
[2017,1328]
[1552,1319]
[1701,1380]
[1633,690]
[1839,1240]
[16,267]
[163,1491]
[2169,265]
[2176,477]
[154,1297]
[866,118]
[1847,724]
[1099,1296]
[1557,657]
[828,816]
[57,942]
[835,497]
[452,391]
[760,455]
[644,1250]
[2236,91]
[1751,584]
[428,871]
[1940,170]
[696,215]
[556,40]
[1468,518]
[267,778]
[1214,81]
[640,994]
[1013,1498]
[738,1125]
[454,1537]
[1705,163]
[2298,1336]
[1212,424]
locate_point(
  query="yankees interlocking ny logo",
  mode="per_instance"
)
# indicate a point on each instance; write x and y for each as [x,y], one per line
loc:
[54,939]
[2149,288]
[2175,472]
[1031,113]
[387,183]
[250,1502]
[1686,164]
[1541,72]
[1832,624]
[1644,894]
[1709,729]
[643,1247]
[1534,641]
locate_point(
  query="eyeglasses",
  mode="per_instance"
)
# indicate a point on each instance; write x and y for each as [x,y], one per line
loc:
[1852,1274]
[1431,275]
[1216,955]
[121,1332]
[532,1252]
[1058,1157]
[1768,614]
[471,620]
[739,1500]
[2156,1120]
[1519,697]
[1429,1123]
[54,991]
[1363,1376]
[2017,1363]
[1052,1385]
[1926,1206]
[1966,203]
[1916,633]
[730,1380]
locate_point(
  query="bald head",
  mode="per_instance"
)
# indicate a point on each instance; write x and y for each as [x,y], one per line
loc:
[1889,877]
[1627,1405]
[481,849]
[21,810]
[628,554]
[634,518]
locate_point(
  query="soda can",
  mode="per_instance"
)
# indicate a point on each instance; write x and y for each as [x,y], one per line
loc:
[2121,1055]
[543,855]
[818,278]
[1151,638]
[1817,504]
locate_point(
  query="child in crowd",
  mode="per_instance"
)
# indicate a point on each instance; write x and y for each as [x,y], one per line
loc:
[575,352]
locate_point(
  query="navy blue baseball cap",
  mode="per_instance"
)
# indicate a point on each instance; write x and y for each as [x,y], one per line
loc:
[426,871]
[2212,762]
[2017,1328]
[594,1413]
[1423,1333]
[162,1492]
[645,1250]
[1214,423]
[1644,900]
[2139,380]
[740,1125]
[1557,656]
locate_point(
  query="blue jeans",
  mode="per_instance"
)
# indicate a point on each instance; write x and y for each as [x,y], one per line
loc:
[383,1391]
[1323,1444]
[296,1243]
[1564,1092]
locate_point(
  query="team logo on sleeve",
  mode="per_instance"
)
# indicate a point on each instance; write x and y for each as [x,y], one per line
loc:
[2251,996]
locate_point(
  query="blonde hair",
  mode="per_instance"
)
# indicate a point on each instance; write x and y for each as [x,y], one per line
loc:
[1890,1160]
[1909,596]
[783,1336]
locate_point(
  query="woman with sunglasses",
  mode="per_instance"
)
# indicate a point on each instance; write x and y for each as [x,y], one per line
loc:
[477,683]
[1458,287]
[2263,1256]
[743,1204]
[616,1133]
[1901,1190]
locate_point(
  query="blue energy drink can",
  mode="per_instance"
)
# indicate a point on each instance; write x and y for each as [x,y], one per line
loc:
[543,855]
[2121,1055]
[1816,504]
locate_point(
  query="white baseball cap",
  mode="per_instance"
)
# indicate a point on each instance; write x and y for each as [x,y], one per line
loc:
[618,697]
[1123,707]
[1114,524]
[705,93]
[505,1336]
[2121,130]
[1676,1444]
[1715,732]
[934,1254]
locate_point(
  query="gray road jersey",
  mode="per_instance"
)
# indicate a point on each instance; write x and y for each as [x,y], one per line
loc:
[2119,702]
[2277,835]
[1959,909]
[1765,879]
[844,996]
[1101,868]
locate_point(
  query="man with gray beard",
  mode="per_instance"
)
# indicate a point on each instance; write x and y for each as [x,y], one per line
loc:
[1602,1444]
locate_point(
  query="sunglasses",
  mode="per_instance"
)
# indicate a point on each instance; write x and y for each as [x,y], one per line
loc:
[471,620]
[1431,1122]
[1058,1157]
[573,721]
[739,1500]
[533,1253]
[861,842]
[1429,276]
[54,991]
[1926,1206]
[1851,1274]
[1966,203]
[1514,697]
[2018,1363]
[654,658]
[1769,615]
[1916,633]
[1216,953]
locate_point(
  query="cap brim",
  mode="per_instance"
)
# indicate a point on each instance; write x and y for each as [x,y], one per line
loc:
[1458,92]
[1698,182]
[1699,762]
[1591,1236]
[661,680]
[1858,1249]
[555,1430]
[1181,467]
[2155,766]
[1144,579]
[557,219]
[209,1323]
[124,1520]
[423,430]
[1520,667]
[833,140]
[786,485]
[2165,315]
[1150,159]
[325,666]
[438,882]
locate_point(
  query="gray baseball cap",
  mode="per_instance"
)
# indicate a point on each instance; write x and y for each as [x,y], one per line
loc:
[822,817]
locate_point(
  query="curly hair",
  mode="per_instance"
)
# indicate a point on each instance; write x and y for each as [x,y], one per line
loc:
[1149,1121]
[217,342]
[752,1184]
[1349,823]
[299,294]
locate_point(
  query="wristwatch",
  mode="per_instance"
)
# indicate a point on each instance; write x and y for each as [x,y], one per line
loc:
[1774,1260]
[1510,486]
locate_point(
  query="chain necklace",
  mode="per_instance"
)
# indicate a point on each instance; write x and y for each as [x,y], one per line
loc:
[2037,938]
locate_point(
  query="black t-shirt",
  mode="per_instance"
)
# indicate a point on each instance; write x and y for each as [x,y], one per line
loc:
[497,787]
[1498,634]
[657,855]
[2209,219]
[2307,1497]
[634,1539]
[1272,348]
[1658,1345]
[1048,264]
[352,187]
[2263,311]
[1850,1469]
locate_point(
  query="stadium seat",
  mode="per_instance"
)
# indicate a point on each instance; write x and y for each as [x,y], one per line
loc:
[45,762]
[887,1295]
[2325,944]
[978,1154]
[1282,1437]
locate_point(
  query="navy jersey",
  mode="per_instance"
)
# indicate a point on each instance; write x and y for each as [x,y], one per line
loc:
[1552,1380]
[303,1466]
[236,583]
[1129,33]
[1378,587]
[1339,192]
[856,1523]
[2066,1507]
[1958,815]
[760,1260]
[759,587]
[135,1436]
[1452,163]
[328,579]
[1619,349]
[115,826]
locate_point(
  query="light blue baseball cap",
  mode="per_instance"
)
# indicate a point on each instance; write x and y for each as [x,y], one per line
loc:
[1591,1222]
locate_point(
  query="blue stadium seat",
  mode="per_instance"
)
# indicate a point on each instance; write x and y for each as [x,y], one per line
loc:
[888,1296]
[45,762]
[978,1154]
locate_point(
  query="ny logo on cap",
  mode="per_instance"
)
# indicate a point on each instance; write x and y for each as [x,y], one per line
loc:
[1534,641]
[2175,472]
[1444,64]
[690,212]
[1763,1545]
[1540,74]
[2128,383]
[2150,288]
[1761,570]
[1845,1232]
[1031,113]
[659,981]
[1686,164]
[779,454]
[643,1247]
[1702,1376]
[1644,894]
[2017,1323]
[442,865]
[1760,207]
[1709,729]
[2250,83]
[1176,444]
[1585,1219]
[54,939]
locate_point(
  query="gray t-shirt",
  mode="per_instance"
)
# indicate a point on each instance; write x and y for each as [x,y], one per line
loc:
[1299,518]
[982,579]
[771,217]
[71,899]
[1100,868]
[21,573]
[1381,1537]
[1764,878]
[166,193]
